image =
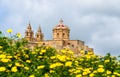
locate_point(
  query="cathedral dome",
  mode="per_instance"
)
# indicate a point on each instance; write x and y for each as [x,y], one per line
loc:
[61,25]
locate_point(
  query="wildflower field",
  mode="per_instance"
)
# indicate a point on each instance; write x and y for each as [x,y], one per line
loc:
[16,60]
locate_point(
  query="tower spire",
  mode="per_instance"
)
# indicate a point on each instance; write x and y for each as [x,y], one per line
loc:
[39,34]
[29,25]
[29,34]
[39,28]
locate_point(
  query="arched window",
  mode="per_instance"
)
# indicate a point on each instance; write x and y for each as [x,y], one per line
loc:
[37,36]
[63,35]
[68,43]
[58,35]
[43,43]
[72,45]
[26,33]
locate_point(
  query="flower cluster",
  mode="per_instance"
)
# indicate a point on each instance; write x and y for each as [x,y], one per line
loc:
[17,60]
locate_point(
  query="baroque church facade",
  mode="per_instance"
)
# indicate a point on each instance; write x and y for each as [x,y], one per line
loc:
[61,39]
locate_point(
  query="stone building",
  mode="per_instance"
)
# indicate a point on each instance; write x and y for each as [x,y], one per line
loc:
[61,38]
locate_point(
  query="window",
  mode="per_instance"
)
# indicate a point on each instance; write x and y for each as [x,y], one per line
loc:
[63,34]
[26,33]
[72,45]
[37,36]
[57,34]
[43,43]
[68,43]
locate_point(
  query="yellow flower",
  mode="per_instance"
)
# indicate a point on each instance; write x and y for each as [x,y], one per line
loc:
[82,51]
[46,75]
[10,65]
[94,71]
[26,56]
[2,69]
[68,63]
[39,56]
[9,31]
[51,71]
[101,66]
[108,72]
[63,51]
[7,70]
[0,47]
[113,76]
[70,52]
[2,56]
[71,70]
[14,69]
[28,61]
[85,73]
[47,47]
[76,71]
[9,57]
[17,54]
[17,64]
[43,51]
[88,56]
[58,64]
[55,65]
[16,57]
[40,67]
[62,58]
[100,70]
[80,68]
[87,70]
[81,59]
[26,68]
[92,75]
[31,76]
[18,35]
[79,75]
[5,60]
[33,52]
[68,58]
[90,53]
[1,52]
[116,73]
[52,65]
[76,63]
[52,57]
[106,61]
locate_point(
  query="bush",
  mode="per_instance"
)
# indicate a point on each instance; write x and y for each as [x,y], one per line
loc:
[16,60]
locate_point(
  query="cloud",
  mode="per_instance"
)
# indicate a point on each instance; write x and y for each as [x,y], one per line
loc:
[94,21]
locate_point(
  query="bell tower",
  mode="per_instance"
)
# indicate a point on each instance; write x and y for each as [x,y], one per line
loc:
[61,31]
[29,34]
[39,35]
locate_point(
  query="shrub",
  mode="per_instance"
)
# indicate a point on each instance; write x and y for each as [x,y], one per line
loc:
[16,60]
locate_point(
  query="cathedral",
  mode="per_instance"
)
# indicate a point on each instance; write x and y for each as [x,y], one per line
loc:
[60,39]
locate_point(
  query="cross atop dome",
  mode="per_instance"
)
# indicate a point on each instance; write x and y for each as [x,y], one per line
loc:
[61,21]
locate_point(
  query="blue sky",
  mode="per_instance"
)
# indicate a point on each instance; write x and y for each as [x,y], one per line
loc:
[97,22]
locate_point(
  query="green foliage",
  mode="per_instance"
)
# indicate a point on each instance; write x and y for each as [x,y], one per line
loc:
[18,60]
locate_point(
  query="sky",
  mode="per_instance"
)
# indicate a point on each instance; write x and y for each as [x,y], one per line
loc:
[97,22]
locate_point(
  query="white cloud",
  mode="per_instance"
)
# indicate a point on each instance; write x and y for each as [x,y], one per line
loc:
[94,21]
